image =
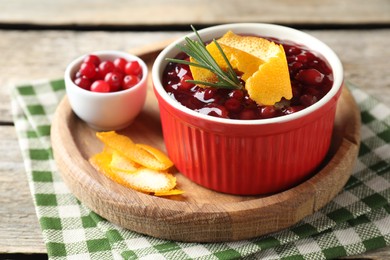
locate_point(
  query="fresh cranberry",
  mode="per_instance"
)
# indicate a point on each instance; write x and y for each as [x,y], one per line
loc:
[100,86]
[133,68]
[95,60]
[129,81]
[120,63]
[114,79]
[106,67]
[88,70]
[83,83]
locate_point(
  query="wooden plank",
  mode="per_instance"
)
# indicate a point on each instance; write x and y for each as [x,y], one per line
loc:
[36,55]
[19,229]
[169,12]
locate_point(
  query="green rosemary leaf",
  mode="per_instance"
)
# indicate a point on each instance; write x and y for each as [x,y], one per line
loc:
[197,35]
[198,51]
[210,84]
[187,63]
[230,68]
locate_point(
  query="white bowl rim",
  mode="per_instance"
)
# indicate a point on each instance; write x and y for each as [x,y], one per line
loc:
[128,56]
[330,56]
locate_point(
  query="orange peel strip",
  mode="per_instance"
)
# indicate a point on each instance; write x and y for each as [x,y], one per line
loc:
[240,60]
[156,153]
[271,82]
[118,162]
[169,193]
[127,148]
[256,46]
[263,65]
[143,180]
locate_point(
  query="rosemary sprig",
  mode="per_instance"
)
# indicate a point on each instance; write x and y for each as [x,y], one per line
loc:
[197,50]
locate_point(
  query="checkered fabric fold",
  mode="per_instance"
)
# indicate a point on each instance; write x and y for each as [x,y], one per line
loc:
[355,221]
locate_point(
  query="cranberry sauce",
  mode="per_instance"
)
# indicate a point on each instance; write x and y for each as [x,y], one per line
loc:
[311,78]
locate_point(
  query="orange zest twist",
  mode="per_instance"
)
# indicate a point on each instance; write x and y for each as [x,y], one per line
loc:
[137,166]
[263,65]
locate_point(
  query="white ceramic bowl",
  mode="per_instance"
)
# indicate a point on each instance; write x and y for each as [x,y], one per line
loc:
[106,111]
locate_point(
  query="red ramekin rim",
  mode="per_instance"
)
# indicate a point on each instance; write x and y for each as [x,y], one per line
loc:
[263,29]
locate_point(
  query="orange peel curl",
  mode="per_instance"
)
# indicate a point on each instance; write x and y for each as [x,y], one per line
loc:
[137,166]
[127,148]
[262,65]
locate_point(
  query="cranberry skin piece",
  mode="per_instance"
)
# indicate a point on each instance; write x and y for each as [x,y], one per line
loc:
[293,109]
[291,50]
[114,79]
[312,91]
[237,94]
[193,103]
[209,94]
[83,83]
[308,100]
[184,85]
[233,105]
[294,67]
[268,112]
[249,103]
[88,70]
[100,86]
[182,70]
[217,111]
[129,81]
[310,77]
[93,59]
[133,68]
[302,58]
[248,114]
[120,63]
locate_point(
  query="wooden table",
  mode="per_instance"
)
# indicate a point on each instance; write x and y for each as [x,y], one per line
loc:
[39,38]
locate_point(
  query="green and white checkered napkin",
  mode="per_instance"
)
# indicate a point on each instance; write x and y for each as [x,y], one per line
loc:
[356,221]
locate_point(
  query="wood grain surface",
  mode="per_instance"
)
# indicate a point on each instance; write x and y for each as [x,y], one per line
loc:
[200,215]
[138,13]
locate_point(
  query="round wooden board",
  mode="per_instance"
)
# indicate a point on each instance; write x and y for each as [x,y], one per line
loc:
[199,215]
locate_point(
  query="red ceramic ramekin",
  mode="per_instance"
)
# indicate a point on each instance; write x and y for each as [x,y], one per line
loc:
[248,157]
